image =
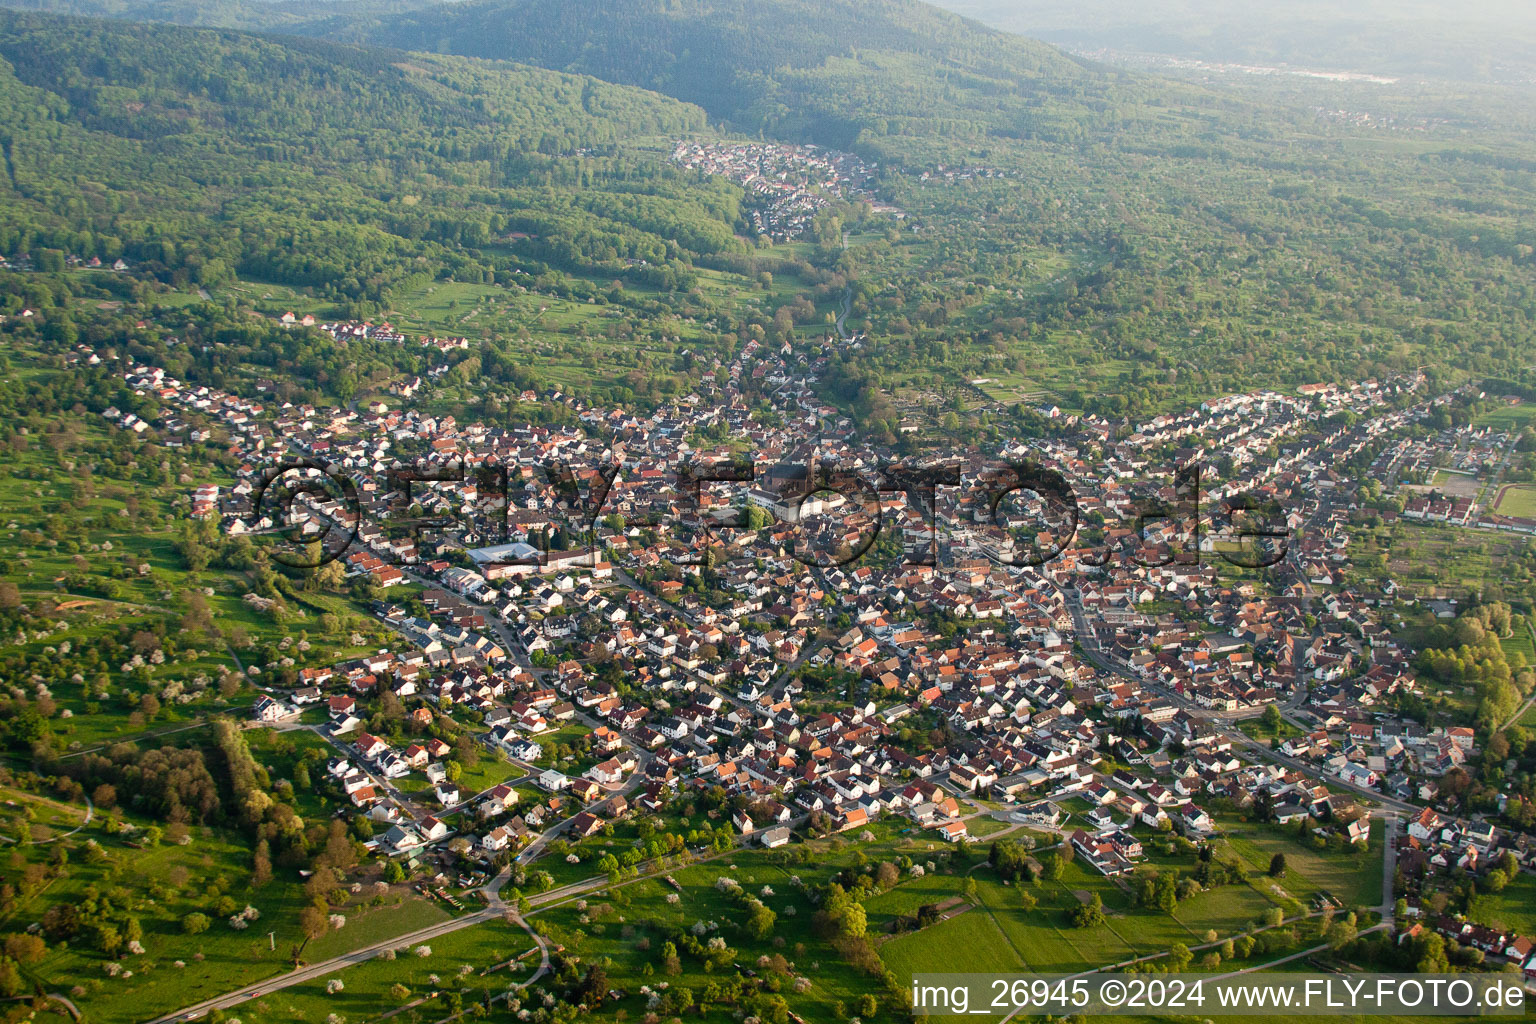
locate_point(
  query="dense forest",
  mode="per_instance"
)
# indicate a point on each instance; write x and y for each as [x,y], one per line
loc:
[756,65]
[255,15]
[207,154]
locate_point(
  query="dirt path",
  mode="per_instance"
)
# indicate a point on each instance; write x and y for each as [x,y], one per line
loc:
[90,812]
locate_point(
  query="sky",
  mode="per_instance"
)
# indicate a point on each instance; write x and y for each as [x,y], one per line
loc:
[1466,40]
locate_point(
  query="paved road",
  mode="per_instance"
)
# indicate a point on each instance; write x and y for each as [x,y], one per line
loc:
[1389,868]
[1389,855]
[64,1001]
[366,953]
[496,909]
[324,967]
[842,316]
[1091,650]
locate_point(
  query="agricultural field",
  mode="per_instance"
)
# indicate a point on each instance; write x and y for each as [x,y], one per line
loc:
[974,929]
[1523,643]
[1437,559]
[1042,940]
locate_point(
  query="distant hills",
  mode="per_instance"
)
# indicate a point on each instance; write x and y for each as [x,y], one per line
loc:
[821,70]
[250,15]
[203,153]
[725,55]
[809,70]
[1171,234]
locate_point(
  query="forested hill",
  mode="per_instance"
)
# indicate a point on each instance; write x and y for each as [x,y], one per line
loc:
[313,163]
[819,69]
[1187,240]
[248,15]
[1205,239]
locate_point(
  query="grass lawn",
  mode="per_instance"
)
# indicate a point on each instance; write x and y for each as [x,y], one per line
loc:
[984,826]
[933,949]
[1508,418]
[490,770]
[1259,731]
[905,899]
[1353,878]
[589,851]
[1518,500]
[396,916]
[1227,909]
[1514,908]
[1043,937]
[282,752]
[566,734]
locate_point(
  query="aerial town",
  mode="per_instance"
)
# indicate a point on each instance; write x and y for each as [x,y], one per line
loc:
[661,511]
[786,185]
[679,629]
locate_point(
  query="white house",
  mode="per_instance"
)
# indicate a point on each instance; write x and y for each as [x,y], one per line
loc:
[270,710]
[496,840]
[402,838]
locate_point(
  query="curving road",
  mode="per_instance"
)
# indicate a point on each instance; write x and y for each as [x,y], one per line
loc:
[497,908]
[90,812]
